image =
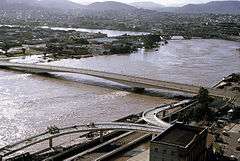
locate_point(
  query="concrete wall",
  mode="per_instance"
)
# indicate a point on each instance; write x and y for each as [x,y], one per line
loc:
[161,152]
[196,151]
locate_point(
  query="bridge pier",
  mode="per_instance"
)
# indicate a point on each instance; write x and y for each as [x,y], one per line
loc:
[164,113]
[138,89]
[50,142]
[154,135]
[138,83]
[179,113]
[170,118]
[101,136]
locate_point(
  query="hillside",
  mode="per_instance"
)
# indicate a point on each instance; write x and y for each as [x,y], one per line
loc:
[45,4]
[217,7]
[147,5]
[110,5]
[58,4]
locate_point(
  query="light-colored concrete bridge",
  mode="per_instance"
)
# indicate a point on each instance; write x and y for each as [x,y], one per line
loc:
[150,115]
[120,78]
[49,135]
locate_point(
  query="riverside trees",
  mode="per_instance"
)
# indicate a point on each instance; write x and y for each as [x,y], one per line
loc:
[202,110]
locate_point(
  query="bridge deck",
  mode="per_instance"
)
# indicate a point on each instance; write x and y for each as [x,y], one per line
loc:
[10,149]
[150,115]
[124,79]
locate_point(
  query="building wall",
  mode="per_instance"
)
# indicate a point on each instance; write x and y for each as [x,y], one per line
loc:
[161,152]
[196,151]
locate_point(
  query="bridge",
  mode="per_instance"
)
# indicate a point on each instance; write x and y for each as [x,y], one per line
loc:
[156,125]
[49,135]
[120,78]
[150,115]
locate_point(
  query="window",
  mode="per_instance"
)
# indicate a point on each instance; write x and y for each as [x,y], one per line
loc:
[156,149]
[164,151]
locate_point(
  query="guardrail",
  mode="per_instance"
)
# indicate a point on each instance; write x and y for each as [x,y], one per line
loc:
[120,78]
[49,135]
[150,115]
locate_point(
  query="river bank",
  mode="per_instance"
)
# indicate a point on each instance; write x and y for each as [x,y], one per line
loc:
[30,103]
[62,43]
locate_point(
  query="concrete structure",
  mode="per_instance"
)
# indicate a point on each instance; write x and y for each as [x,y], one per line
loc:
[179,143]
[55,132]
[150,115]
[123,79]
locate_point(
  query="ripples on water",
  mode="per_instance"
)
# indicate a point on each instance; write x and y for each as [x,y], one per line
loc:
[30,103]
[200,62]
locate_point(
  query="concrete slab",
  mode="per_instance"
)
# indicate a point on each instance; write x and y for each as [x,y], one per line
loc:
[144,156]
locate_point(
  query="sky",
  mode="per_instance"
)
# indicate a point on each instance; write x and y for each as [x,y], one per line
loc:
[164,2]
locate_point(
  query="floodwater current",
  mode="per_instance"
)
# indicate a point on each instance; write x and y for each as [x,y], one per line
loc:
[29,103]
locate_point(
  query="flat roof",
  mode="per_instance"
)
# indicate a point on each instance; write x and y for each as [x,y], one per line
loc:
[179,134]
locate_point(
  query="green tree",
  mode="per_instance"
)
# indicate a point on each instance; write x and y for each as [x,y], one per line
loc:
[77,40]
[203,96]
[150,41]
[24,50]
[236,114]
[202,110]
[5,47]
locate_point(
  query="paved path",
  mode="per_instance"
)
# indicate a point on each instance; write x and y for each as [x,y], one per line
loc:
[124,79]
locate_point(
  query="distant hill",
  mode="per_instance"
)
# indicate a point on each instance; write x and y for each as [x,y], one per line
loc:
[110,5]
[59,4]
[147,5]
[56,4]
[217,7]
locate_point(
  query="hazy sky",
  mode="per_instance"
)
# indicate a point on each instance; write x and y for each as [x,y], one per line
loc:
[164,2]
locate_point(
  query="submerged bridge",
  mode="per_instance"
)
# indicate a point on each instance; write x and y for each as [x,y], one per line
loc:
[49,135]
[120,78]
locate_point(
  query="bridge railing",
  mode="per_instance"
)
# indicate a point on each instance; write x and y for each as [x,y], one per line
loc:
[48,136]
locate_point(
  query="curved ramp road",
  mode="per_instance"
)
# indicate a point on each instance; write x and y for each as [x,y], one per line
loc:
[150,115]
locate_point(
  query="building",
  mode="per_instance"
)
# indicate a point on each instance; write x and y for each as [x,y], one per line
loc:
[180,143]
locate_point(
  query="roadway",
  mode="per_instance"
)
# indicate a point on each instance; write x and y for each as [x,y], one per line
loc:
[150,115]
[48,135]
[120,78]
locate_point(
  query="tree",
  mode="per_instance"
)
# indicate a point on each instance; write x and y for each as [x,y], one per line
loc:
[203,96]
[236,114]
[202,110]
[5,47]
[77,40]
[150,41]
[23,50]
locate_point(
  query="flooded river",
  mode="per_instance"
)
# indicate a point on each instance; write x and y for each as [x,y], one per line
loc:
[110,33]
[30,103]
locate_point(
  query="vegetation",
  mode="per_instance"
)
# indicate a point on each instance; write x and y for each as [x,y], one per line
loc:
[77,40]
[205,25]
[236,114]
[202,110]
[6,45]
[151,41]
[121,49]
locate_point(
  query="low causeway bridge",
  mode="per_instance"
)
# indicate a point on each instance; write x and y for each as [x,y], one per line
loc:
[132,81]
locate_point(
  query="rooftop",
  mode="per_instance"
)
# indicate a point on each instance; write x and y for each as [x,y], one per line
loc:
[179,134]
